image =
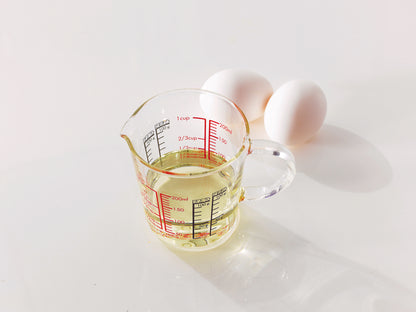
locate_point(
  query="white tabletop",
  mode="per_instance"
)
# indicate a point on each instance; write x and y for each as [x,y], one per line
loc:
[72,230]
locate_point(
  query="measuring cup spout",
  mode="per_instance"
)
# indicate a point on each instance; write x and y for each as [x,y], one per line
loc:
[126,138]
[126,134]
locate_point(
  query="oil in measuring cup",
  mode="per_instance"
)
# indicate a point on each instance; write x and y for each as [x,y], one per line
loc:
[192,211]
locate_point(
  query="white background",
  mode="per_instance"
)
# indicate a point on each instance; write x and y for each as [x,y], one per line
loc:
[72,230]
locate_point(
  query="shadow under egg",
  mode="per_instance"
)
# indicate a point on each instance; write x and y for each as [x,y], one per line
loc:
[343,160]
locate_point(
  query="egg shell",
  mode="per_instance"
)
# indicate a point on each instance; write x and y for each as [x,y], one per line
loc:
[249,90]
[295,112]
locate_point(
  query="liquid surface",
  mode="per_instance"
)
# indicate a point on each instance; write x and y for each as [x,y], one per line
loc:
[192,212]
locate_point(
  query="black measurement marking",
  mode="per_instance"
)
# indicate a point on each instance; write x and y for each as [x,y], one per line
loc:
[146,142]
[197,208]
[158,145]
[215,208]
[160,127]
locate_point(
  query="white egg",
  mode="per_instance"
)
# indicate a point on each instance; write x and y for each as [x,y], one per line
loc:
[295,112]
[249,90]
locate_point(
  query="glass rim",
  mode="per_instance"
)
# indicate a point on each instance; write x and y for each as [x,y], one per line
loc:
[245,142]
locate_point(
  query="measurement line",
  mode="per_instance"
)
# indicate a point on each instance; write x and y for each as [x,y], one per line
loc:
[158,206]
[198,206]
[146,143]
[212,130]
[193,220]
[212,210]
[205,134]
[147,153]
[158,144]
[164,123]
[215,198]
[165,201]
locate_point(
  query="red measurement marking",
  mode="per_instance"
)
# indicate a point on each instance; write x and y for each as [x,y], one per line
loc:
[138,173]
[166,210]
[205,134]
[157,200]
[155,224]
[212,132]
[200,235]
[195,154]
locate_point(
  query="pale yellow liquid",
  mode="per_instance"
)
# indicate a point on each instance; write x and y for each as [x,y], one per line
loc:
[192,212]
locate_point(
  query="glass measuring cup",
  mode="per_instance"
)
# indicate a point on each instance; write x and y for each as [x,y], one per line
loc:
[189,148]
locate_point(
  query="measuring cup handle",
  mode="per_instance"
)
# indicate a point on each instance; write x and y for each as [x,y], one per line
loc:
[276,156]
